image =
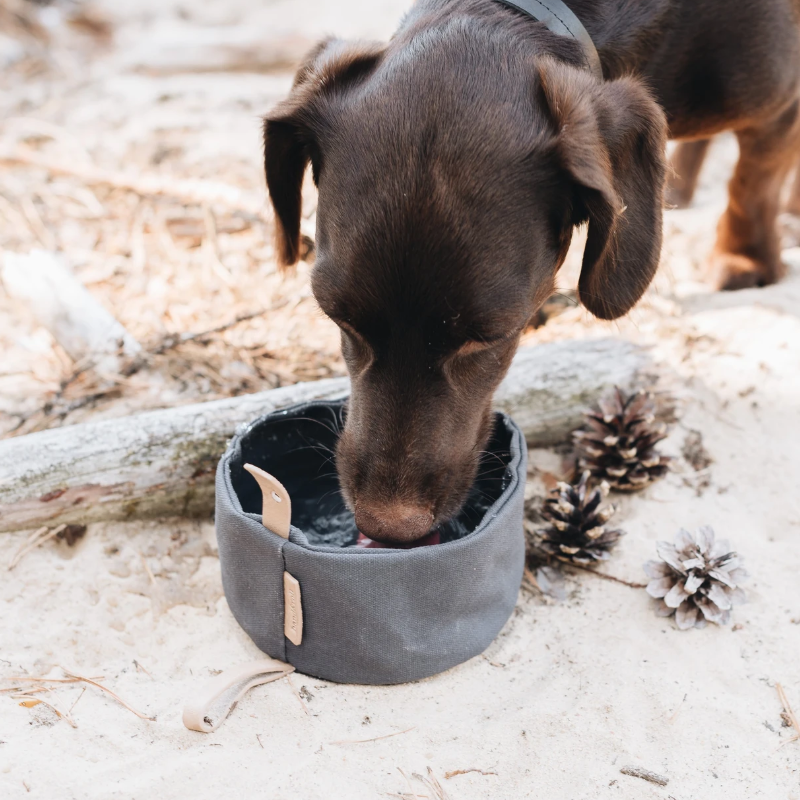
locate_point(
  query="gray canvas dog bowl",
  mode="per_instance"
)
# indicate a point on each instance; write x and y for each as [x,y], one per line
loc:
[368,616]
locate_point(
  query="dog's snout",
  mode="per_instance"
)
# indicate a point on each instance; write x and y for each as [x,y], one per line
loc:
[393,523]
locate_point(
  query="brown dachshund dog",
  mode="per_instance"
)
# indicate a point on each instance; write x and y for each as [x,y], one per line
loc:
[453,164]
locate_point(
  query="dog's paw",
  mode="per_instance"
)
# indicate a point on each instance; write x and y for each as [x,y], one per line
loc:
[732,271]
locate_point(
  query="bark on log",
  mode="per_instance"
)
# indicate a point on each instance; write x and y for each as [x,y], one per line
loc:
[63,305]
[161,463]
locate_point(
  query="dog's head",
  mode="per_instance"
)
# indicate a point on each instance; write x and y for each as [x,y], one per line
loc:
[450,181]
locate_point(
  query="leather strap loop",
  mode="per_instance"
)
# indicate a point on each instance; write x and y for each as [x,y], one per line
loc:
[218,697]
[276,509]
[557,16]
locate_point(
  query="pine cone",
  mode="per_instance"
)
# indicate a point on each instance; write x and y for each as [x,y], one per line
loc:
[577,533]
[618,443]
[698,579]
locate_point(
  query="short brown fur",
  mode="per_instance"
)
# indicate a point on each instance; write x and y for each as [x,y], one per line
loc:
[453,164]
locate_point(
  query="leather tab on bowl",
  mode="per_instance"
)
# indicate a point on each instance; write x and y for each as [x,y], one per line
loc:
[210,705]
[292,609]
[276,509]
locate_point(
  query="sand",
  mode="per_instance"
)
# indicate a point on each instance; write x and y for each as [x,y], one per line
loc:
[568,694]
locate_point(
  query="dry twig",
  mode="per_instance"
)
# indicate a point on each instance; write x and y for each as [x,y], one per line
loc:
[36,223]
[38,679]
[408,783]
[455,772]
[674,714]
[108,692]
[211,245]
[374,739]
[83,692]
[147,569]
[37,538]
[530,578]
[141,668]
[432,783]
[72,678]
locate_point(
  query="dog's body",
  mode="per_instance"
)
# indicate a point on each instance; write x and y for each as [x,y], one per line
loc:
[452,165]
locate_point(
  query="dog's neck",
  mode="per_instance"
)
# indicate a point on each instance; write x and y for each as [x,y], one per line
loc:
[626,34]
[558,17]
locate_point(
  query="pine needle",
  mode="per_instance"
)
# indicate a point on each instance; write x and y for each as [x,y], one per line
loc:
[110,693]
[41,679]
[37,538]
[299,698]
[605,576]
[790,713]
[375,738]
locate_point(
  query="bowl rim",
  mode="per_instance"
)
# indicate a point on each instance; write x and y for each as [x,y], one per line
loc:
[298,537]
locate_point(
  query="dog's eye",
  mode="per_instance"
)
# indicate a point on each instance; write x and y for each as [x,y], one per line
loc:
[477,346]
[355,348]
[350,331]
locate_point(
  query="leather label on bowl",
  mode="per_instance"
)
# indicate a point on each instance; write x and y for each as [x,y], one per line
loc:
[292,609]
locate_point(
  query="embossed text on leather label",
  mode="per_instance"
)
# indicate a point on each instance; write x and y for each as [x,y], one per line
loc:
[292,609]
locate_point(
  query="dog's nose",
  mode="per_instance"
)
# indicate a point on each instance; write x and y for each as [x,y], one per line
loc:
[393,523]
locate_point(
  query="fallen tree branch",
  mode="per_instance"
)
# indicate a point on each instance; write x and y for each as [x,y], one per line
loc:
[162,463]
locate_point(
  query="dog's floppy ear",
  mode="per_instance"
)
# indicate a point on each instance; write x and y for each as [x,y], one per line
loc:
[611,139]
[291,132]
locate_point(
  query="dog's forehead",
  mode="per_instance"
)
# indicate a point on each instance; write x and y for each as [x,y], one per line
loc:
[427,246]
[424,286]
[428,210]
[389,189]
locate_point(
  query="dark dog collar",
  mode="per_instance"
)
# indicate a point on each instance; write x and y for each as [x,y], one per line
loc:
[559,19]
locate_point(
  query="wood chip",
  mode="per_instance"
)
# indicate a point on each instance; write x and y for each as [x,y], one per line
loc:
[645,775]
